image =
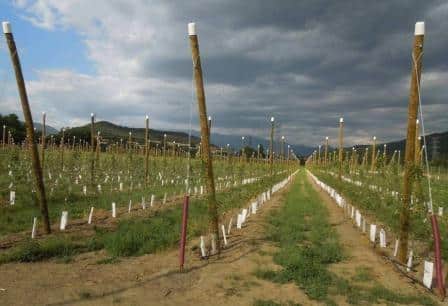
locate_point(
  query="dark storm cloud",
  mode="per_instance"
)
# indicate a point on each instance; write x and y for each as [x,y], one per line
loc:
[305,62]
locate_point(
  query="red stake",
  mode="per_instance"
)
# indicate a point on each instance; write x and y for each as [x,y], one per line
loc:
[183,236]
[437,255]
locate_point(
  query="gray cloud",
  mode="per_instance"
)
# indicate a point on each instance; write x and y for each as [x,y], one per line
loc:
[305,62]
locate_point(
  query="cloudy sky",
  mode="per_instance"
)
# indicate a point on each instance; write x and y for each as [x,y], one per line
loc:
[305,62]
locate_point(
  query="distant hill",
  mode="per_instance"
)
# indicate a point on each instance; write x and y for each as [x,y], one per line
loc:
[437,147]
[48,129]
[234,141]
[113,132]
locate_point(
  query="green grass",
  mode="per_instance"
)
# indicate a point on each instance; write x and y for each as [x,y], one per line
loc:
[137,236]
[60,247]
[308,245]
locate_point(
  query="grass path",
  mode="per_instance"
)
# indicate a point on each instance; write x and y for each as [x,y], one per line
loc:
[314,256]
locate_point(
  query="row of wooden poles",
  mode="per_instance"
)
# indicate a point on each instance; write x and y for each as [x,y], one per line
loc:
[156,147]
[412,160]
[369,157]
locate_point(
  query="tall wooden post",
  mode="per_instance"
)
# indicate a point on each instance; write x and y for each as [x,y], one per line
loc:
[146,149]
[242,157]
[409,163]
[164,145]
[92,148]
[326,151]
[282,148]
[372,165]
[43,142]
[205,133]
[37,170]
[271,146]
[417,142]
[98,148]
[341,145]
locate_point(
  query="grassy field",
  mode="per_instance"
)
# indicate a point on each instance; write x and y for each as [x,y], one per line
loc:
[308,245]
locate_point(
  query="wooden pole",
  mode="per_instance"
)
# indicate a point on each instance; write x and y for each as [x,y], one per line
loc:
[146,149]
[98,147]
[417,142]
[271,147]
[92,148]
[242,157]
[37,170]
[205,133]
[42,152]
[417,53]
[282,148]
[341,145]
[326,151]
[372,166]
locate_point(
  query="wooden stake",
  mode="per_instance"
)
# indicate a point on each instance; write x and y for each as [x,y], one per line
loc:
[326,151]
[417,54]
[341,145]
[146,149]
[205,133]
[92,148]
[42,152]
[372,166]
[37,170]
[271,147]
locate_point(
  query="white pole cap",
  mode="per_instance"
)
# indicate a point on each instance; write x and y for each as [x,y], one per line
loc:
[341,120]
[147,117]
[6,27]
[209,118]
[92,115]
[326,138]
[419,28]
[416,121]
[192,28]
[272,119]
[374,137]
